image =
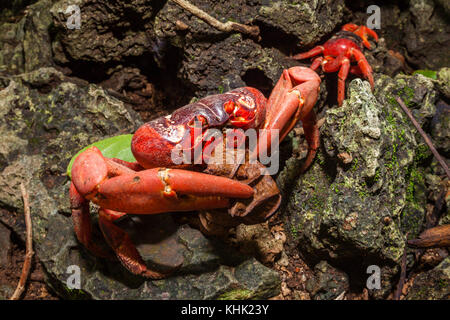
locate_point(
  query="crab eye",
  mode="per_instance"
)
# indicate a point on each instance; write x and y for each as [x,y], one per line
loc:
[229,107]
[198,121]
[242,112]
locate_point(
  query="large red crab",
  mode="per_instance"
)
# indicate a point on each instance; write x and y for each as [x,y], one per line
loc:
[155,185]
[340,51]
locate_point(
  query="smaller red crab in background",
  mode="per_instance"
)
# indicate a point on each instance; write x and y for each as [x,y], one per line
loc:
[340,51]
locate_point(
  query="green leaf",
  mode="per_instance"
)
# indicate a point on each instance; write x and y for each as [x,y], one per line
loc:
[427,73]
[115,147]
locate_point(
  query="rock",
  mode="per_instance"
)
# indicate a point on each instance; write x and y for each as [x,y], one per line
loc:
[5,244]
[432,257]
[25,45]
[418,30]
[417,92]
[432,285]
[308,20]
[215,62]
[440,128]
[258,240]
[428,35]
[6,291]
[110,31]
[443,80]
[350,214]
[231,63]
[167,20]
[45,120]
[328,283]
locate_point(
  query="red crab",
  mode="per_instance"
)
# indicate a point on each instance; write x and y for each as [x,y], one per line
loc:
[338,53]
[155,185]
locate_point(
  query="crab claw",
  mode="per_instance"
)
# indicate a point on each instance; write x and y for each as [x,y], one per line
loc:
[362,31]
[292,100]
[115,187]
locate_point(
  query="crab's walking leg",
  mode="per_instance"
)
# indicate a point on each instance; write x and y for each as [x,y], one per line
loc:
[316,63]
[363,65]
[124,248]
[312,136]
[341,63]
[342,76]
[82,222]
[311,53]
[362,32]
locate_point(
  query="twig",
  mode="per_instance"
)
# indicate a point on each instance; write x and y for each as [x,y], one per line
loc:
[29,246]
[437,237]
[424,136]
[401,282]
[229,26]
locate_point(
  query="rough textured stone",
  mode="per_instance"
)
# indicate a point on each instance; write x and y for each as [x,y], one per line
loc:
[5,245]
[433,284]
[25,45]
[428,35]
[231,63]
[350,213]
[258,239]
[110,30]
[216,62]
[443,79]
[308,21]
[45,119]
[328,283]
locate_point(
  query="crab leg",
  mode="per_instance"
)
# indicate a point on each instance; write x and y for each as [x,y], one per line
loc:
[363,65]
[124,248]
[342,76]
[362,31]
[316,63]
[82,222]
[116,188]
[311,53]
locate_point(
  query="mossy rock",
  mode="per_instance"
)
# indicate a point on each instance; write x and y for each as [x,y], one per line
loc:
[351,213]
[433,284]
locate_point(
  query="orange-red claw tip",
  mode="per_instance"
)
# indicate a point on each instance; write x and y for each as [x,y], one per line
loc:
[88,170]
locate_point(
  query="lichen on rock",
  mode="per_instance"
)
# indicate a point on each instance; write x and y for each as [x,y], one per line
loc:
[350,213]
[433,284]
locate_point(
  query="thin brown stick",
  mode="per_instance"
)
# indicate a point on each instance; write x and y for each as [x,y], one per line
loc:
[424,136]
[29,246]
[229,26]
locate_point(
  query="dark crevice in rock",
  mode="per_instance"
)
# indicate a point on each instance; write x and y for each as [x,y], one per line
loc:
[257,79]
[272,37]
[361,5]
